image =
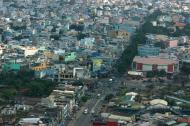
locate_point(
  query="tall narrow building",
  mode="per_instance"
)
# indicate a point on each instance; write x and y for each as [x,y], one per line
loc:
[1,3]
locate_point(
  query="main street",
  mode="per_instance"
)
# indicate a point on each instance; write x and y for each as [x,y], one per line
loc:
[104,87]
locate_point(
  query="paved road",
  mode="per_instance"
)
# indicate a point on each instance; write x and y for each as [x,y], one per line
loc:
[178,99]
[94,103]
[82,119]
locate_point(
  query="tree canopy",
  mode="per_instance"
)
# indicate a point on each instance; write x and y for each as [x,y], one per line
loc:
[25,83]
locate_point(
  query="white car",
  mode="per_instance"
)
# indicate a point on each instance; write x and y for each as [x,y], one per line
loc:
[85,111]
[110,79]
[92,111]
[98,95]
[122,122]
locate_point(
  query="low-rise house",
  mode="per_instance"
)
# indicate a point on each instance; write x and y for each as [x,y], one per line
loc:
[29,51]
[172,43]
[87,43]
[128,99]
[11,67]
[99,11]
[122,31]
[180,25]
[70,57]
[31,122]
[104,20]
[184,120]
[97,63]
[165,18]
[158,102]
[8,115]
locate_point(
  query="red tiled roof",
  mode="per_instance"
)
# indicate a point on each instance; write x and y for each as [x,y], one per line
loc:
[179,24]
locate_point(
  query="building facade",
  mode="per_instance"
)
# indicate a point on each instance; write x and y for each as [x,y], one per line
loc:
[148,50]
[146,64]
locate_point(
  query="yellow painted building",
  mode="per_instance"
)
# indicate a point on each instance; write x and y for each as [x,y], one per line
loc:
[119,34]
[97,63]
[40,66]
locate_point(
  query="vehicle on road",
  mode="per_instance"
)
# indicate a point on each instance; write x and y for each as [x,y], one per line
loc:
[85,111]
[122,122]
[98,95]
[92,111]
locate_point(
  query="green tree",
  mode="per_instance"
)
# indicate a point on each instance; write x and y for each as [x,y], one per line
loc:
[84,98]
[109,97]
[81,36]
[186,69]
[150,7]
[8,94]
[139,4]
[150,74]
[25,80]
[161,73]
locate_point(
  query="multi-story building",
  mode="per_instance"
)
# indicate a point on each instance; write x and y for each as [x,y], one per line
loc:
[148,50]
[1,3]
[69,72]
[62,73]
[40,66]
